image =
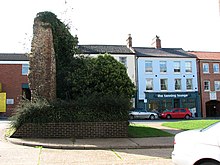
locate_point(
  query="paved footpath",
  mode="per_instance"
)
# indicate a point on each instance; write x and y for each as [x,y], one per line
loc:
[131,151]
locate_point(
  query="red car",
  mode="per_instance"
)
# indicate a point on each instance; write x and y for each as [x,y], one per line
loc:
[176,113]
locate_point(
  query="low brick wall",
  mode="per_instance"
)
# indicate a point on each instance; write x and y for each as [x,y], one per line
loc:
[75,130]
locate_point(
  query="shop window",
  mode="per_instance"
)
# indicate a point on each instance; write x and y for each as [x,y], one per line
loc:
[188,67]
[176,67]
[177,84]
[123,60]
[149,84]
[163,84]
[189,84]
[205,68]
[206,85]
[163,66]
[217,85]
[215,68]
[148,67]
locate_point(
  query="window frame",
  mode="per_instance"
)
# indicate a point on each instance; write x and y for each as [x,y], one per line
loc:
[204,85]
[191,80]
[25,69]
[177,67]
[150,83]
[179,85]
[150,68]
[215,84]
[163,67]
[203,67]
[215,71]
[188,69]
[165,85]
[123,60]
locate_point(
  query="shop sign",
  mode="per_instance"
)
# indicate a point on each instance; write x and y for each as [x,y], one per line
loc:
[171,95]
[213,95]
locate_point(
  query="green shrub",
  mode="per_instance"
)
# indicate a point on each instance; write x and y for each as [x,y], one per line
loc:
[92,108]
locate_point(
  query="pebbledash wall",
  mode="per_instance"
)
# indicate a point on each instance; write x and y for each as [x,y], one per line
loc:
[13,80]
[75,130]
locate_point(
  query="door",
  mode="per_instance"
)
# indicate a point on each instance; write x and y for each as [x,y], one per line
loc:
[176,103]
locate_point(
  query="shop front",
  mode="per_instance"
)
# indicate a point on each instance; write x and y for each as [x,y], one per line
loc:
[155,101]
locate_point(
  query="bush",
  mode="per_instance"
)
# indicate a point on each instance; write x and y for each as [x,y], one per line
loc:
[92,108]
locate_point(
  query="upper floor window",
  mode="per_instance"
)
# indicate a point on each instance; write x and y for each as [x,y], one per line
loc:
[25,68]
[188,67]
[163,84]
[217,85]
[177,84]
[176,66]
[123,60]
[206,85]
[148,67]
[149,84]
[189,84]
[163,66]
[215,68]
[205,68]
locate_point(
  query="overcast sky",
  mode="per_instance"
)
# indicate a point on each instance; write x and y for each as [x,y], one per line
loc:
[187,24]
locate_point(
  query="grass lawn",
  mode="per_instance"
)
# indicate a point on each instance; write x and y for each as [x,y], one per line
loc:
[141,131]
[190,124]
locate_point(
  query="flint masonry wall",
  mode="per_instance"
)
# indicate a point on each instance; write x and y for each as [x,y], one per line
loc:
[42,75]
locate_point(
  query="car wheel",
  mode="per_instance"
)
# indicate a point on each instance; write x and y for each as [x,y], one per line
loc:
[168,117]
[131,117]
[208,162]
[187,117]
[152,117]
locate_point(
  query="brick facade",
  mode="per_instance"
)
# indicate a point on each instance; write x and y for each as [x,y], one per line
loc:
[12,80]
[75,130]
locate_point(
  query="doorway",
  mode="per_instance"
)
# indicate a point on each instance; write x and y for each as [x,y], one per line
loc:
[213,108]
[176,103]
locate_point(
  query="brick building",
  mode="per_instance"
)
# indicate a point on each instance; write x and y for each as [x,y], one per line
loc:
[209,82]
[13,81]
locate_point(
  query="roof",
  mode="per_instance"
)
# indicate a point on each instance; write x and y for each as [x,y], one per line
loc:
[102,49]
[206,55]
[13,57]
[162,52]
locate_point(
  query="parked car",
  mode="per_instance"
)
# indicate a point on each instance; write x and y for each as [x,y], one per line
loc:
[140,113]
[197,147]
[176,113]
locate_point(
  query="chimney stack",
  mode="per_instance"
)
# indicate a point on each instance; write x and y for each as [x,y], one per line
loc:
[129,41]
[157,42]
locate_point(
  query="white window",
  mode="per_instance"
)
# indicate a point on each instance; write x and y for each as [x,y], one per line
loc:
[217,85]
[205,68]
[215,68]
[148,67]
[177,84]
[123,60]
[188,67]
[163,84]
[149,84]
[206,85]
[176,66]
[189,84]
[25,68]
[163,66]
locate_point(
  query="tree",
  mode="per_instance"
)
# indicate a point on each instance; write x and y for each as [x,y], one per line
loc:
[103,75]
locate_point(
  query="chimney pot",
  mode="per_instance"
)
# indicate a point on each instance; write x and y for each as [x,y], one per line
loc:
[129,41]
[158,42]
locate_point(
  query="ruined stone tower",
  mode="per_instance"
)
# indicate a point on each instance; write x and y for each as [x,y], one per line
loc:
[42,74]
